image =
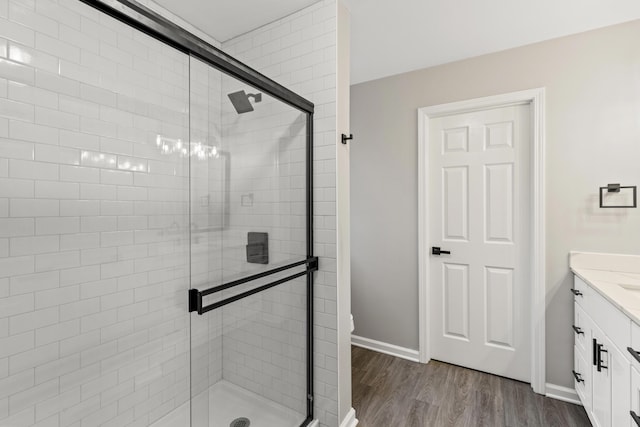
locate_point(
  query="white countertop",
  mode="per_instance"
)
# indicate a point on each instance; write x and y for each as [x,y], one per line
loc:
[615,277]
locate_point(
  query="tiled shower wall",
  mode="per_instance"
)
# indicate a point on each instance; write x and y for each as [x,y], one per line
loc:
[299,52]
[93,219]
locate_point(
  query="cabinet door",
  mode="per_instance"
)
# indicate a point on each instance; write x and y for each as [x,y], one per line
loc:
[601,381]
[611,384]
[582,378]
[620,371]
[635,395]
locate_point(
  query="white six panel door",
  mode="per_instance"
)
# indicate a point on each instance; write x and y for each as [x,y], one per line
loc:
[479,210]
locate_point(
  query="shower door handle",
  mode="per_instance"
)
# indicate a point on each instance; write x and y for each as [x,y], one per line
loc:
[435,250]
[196,296]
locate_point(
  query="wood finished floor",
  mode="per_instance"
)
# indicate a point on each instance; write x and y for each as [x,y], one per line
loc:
[392,392]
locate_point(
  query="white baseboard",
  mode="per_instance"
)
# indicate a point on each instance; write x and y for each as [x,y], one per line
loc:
[562,393]
[350,419]
[383,347]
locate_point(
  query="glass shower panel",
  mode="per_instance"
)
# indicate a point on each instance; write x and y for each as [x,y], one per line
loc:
[248,216]
[267,185]
[209,217]
[130,172]
[94,328]
[260,360]
[264,357]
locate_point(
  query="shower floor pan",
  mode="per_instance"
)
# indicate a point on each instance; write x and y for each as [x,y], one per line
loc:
[226,402]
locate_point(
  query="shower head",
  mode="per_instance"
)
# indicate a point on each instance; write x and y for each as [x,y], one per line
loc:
[240,101]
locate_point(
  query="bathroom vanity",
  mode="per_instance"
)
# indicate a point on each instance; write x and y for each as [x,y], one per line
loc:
[607,337]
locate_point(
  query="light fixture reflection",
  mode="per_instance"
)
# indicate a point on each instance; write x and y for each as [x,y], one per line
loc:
[194,149]
[102,160]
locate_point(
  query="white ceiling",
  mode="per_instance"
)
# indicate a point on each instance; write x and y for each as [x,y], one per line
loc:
[392,37]
[226,19]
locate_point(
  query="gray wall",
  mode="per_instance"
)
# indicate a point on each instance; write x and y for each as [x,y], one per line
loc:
[592,138]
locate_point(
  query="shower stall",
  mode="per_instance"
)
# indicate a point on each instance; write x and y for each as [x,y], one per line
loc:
[156,239]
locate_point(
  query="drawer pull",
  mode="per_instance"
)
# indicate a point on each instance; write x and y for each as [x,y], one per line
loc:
[576,292]
[635,354]
[578,330]
[635,418]
[578,377]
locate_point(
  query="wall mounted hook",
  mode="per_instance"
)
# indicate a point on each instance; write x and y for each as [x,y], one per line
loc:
[346,138]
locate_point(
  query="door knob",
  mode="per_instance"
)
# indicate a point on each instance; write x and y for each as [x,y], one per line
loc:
[435,250]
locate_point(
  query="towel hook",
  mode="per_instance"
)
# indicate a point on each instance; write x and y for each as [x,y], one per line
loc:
[346,138]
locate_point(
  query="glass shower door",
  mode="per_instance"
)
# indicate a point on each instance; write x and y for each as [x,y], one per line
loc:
[208,217]
[249,266]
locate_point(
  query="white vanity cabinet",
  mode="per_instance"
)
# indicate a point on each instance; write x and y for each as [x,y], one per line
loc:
[602,362]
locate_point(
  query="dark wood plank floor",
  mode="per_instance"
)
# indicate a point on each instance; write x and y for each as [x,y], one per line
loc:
[392,392]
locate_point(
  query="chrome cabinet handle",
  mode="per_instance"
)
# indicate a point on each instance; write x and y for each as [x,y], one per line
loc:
[635,418]
[578,330]
[576,292]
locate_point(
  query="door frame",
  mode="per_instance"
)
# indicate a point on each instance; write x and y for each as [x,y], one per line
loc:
[534,98]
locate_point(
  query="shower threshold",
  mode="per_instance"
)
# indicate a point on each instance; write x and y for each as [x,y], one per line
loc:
[224,402]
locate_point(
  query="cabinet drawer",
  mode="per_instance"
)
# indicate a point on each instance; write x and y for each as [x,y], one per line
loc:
[610,319]
[582,371]
[582,331]
[582,293]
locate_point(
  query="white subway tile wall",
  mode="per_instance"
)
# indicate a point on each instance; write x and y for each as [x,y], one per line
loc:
[94,220]
[299,51]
